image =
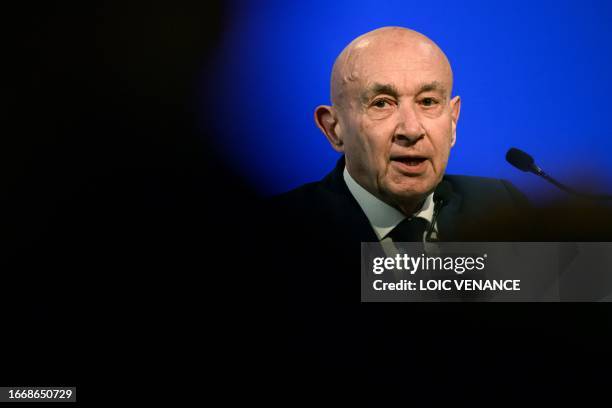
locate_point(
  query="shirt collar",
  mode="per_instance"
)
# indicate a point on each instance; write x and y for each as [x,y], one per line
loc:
[383,217]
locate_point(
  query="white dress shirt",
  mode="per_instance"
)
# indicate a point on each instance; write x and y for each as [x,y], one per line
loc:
[383,217]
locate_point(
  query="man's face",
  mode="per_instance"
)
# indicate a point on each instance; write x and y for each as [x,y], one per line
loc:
[396,119]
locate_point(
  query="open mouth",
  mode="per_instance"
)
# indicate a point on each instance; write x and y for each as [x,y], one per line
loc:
[410,161]
[410,165]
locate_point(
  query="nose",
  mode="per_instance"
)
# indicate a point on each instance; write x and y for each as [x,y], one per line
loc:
[409,128]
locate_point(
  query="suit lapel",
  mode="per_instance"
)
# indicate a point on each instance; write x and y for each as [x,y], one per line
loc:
[448,219]
[345,209]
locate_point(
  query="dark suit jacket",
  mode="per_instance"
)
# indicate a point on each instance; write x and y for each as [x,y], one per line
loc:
[318,229]
[377,352]
[327,210]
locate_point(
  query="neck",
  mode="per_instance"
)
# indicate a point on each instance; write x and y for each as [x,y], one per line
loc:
[407,207]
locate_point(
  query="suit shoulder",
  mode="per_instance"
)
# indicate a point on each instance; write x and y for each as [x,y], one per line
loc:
[299,196]
[472,183]
[305,203]
[488,190]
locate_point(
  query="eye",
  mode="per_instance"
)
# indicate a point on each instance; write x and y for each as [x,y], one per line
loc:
[380,103]
[429,102]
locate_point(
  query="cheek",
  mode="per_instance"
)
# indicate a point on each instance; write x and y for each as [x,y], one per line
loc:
[441,140]
[378,137]
[442,132]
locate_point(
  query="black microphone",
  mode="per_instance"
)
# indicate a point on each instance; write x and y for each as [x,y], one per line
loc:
[525,162]
[443,193]
[522,161]
[442,196]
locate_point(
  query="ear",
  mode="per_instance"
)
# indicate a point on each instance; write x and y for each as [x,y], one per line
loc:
[455,104]
[326,119]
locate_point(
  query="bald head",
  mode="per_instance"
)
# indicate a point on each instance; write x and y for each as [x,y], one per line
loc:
[399,48]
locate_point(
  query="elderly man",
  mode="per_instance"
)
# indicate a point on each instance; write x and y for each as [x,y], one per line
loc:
[395,120]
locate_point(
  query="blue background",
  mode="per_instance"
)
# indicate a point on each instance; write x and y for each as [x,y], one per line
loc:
[531,74]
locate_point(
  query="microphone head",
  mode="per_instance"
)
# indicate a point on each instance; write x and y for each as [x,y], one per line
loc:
[520,159]
[443,192]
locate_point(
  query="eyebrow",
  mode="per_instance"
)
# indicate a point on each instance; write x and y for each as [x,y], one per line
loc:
[432,86]
[377,89]
[388,89]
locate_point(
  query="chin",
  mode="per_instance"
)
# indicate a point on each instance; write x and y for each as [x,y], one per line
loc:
[410,190]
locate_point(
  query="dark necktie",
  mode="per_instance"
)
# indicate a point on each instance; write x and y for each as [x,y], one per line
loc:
[409,230]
